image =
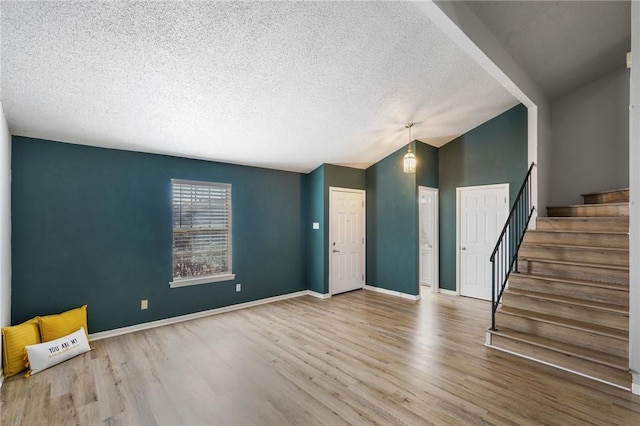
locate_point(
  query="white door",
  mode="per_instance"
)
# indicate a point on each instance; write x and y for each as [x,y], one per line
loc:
[428,230]
[482,211]
[346,240]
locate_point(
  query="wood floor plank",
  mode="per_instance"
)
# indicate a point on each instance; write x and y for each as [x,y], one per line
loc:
[356,358]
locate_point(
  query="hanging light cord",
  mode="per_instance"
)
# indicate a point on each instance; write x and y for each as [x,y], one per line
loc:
[409,126]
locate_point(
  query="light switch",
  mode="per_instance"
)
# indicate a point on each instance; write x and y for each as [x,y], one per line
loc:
[316,225]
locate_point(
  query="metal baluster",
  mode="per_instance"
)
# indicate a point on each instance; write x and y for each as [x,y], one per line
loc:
[504,257]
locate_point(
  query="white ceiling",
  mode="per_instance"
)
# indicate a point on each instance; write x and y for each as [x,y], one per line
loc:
[279,85]
[562,45]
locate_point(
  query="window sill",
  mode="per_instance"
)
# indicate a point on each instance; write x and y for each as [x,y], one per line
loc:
[185,282]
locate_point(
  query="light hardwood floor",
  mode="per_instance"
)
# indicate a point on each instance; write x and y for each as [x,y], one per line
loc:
[359,358]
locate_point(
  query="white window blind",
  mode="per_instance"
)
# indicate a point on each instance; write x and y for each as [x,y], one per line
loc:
[201,229]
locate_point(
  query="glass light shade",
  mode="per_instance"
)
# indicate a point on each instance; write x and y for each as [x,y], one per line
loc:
[409,162]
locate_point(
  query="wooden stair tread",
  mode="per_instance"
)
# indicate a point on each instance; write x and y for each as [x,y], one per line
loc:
[576,247]
[568,323]
[613,361]
[576,281]
[580,323]
[590,210]
[623,310]
[605,224]
[603,205]
[585,219]
[570,263]
[605,192]
[618,239]
[589,218]
[570,231]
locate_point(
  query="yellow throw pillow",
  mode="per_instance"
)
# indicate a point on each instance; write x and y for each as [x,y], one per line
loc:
[59,325]
[14,339]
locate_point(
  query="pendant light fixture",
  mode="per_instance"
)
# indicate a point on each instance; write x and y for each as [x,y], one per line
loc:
[409,161]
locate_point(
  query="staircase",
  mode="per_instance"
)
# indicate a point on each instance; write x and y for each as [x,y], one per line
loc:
[568,304]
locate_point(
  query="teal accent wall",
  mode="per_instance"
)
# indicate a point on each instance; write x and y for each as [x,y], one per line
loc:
[494,152]
[343,177]
[392,221]
[93,226]
[315,237]
[427,171]
[319,182]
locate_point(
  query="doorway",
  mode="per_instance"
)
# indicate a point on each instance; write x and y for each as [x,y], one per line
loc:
[429,241]
[346,239]
[482,211]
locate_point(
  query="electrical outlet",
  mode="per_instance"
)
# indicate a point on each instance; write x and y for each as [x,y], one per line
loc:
[144,304]
[238,287]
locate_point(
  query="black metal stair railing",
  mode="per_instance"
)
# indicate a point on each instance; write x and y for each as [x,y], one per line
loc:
[504,258]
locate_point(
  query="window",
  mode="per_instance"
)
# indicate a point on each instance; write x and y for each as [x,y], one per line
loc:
[201,232]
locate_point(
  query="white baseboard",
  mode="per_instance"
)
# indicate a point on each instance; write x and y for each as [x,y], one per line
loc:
[173,320]
[635,384]
[392,292]
[318,295]
[449,292]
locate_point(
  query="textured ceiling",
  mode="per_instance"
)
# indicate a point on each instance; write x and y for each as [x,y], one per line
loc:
[279,85]
[562,45]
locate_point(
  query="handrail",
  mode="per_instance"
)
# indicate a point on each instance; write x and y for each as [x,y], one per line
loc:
[505,254]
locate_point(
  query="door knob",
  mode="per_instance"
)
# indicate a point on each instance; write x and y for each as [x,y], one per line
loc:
[463,248]
[336,251]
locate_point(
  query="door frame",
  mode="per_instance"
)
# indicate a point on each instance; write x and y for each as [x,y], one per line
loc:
[459,190]
[436,239]
[363,192]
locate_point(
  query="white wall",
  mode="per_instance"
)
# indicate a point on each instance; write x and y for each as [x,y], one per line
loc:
[5,221]
[590,139]
[634,205]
